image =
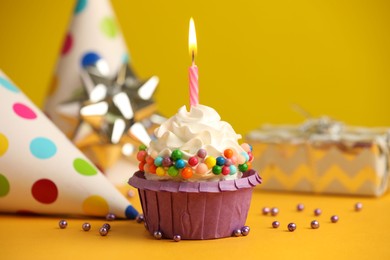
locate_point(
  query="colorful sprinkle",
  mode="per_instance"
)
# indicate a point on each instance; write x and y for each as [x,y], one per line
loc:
[210,162]
[160,171]
[158,161]
[225,170]
[141,155]
[187,173]
[228,153]
[141,166]
[167,162]
[172,171]
[233,169]
[246,147]
[180,164]
[217,169]
[176,155]
[202,153]
[220,161]
[243,167]
[152,168]
[193,161]
[201,168]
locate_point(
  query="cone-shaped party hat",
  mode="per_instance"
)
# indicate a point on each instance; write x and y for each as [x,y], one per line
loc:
[41,171]
[95,98]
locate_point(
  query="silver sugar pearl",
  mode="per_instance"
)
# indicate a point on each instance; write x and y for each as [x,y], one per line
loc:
[245,230]
[237,232]
[86,226]
[110,217]
[62,223]
[103,231]
[274,211]
[176,238]
[291,227]
[157,235]
[315,224]
[266,210]
[358,206]
[140,218]
[300,207]
[317,212]
[334,218]
[107,226]
[275,224]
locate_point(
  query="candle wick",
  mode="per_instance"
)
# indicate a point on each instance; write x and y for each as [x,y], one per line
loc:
[193,57]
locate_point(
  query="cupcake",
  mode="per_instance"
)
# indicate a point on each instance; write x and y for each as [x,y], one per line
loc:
[195,181]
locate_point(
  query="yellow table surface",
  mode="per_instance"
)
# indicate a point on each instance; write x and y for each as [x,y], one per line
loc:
[357,235]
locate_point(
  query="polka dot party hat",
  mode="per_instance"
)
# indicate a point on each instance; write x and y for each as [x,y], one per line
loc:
[42,172]
[93,37]
[94,40]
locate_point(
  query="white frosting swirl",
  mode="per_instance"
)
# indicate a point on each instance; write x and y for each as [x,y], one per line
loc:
[200,128]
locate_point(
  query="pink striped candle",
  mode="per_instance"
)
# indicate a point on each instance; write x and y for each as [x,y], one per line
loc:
[193,70]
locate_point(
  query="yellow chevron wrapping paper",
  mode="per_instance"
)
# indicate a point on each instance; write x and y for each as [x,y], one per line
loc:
[348,160]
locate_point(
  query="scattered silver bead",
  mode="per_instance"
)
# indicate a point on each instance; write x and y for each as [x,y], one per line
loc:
[107,226]
[274,211]
[315,224]
[266,210]
[63,223]
[300,207]
[245,230]
[110,217]
[237,232]
[176,238]
[317,212]
[358,206]
[334,218]
[140,218]
[86,226]
[291,227]
[157,235]
[275,224]
[103,231]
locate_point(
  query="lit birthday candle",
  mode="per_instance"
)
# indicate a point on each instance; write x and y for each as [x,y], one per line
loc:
[193,70]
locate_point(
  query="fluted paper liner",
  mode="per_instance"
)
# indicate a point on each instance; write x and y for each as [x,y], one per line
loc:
[42,172]
[195,210]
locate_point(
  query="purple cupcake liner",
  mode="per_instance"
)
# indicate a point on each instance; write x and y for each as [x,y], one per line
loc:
[195,210]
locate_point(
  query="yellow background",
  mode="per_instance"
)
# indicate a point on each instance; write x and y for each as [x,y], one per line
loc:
[255,58]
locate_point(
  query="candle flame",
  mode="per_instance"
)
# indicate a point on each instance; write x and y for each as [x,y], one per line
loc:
[192,46]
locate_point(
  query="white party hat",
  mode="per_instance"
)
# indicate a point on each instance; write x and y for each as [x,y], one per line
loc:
[95,50]
[42,172]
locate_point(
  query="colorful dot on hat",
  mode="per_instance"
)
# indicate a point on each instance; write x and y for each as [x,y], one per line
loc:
[24,111]
[80,6]
[126,58]
[3,144]
[131,213]
[8,85]
[68,43]
[4,185]
[44,191]
[95,206]
[83,167]
[89,58]
[108,27]
[42,148]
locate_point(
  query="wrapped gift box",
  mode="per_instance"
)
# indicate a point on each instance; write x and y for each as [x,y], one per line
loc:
[322,156]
